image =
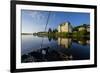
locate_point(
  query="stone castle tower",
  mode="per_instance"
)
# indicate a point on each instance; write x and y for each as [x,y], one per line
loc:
[65,27]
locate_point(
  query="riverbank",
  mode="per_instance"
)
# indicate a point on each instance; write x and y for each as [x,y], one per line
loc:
[79,34]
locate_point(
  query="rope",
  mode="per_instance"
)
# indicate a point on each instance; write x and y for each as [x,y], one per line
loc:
[46,26]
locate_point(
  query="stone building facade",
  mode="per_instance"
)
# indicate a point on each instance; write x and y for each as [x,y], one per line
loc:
[65,27]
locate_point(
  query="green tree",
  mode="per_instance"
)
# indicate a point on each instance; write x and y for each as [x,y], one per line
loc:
[55,30]
[49,30]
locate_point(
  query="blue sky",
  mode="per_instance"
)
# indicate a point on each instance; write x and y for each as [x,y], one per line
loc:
[35,21]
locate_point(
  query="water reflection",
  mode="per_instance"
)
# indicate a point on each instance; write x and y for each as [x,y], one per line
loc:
[46,54]
[82,41]
[64,42]
[54,49]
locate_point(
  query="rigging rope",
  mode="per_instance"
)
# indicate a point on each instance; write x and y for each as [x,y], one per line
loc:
[46,27]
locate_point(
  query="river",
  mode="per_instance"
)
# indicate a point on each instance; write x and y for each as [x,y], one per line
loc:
[44,49]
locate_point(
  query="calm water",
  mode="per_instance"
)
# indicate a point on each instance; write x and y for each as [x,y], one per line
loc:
[40,49]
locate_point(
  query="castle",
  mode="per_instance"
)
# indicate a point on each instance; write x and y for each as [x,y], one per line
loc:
[65,27]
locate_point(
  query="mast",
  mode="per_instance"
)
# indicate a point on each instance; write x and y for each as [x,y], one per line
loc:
[46,27]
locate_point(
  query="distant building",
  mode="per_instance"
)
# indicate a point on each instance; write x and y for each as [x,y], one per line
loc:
[86,27]
[81,28]
[65,27]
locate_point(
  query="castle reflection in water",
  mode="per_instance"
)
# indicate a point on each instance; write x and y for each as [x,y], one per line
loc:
[62,50]
[64,42]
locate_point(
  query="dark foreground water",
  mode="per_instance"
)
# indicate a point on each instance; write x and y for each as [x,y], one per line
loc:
[43,49]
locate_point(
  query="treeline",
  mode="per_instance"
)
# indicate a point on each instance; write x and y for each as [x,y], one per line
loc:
[75,32]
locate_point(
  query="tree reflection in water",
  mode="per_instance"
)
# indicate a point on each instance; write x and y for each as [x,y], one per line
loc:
[61,53]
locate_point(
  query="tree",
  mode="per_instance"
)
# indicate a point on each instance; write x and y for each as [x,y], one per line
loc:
[50,30]
[75,29]
[55,30]
[85,25]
